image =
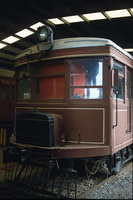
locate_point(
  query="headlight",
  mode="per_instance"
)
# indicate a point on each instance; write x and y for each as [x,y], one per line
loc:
[43,33]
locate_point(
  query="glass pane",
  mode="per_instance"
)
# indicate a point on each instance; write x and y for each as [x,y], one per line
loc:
[49,87]
[24,89]
[24,71]
[129,85]
[48,68]
[120,88]
[119,66]
[86,93]
[12,92]
[4,92]
[86,72]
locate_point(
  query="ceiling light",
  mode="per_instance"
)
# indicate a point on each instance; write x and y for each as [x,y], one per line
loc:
[94,16]
[10,39]
[36,26]
[131,9]
[2,45]
[72,19]
[118,13]
[129,50]
[56,21]
[24,33]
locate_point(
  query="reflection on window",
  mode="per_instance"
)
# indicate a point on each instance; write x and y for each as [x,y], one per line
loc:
[4,92]
[23,71]
[129,85]
[50,82]
[86,93]
[12,90]
[120,94]
[24,89]
[49,87]
[118,66]
[86,73]
[120,88]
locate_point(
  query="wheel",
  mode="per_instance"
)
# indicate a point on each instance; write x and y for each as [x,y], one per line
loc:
[118,162]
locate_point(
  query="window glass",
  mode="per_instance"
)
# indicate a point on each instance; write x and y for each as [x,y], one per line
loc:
[86,93]
[49,83]
[129,85]
[23,71]
[48,68]
[12,90]
[119,66]
[120,88]
[86,72]
[49,87]
[4,92]
[24,89]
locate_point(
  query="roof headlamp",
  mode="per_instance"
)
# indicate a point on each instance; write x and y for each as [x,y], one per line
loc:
[45,34]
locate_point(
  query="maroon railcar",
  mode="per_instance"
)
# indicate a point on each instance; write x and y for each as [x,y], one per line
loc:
[7,83]
[75,100]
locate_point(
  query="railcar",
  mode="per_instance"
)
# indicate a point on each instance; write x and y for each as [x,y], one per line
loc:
[74,100]
[6,95]
[7,83]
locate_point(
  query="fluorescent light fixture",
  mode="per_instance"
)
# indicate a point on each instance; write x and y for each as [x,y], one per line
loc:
[131,9]
[10,39]
[118,13]
[72,19]
[2,45]
[24,33]
[56,21]
[129,50]
[37,25]
[94,16]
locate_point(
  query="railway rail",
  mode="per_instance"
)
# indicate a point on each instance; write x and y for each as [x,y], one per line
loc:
[86,194]
[44,178]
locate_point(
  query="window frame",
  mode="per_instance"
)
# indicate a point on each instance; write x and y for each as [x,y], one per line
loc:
[120,76]
[87,86]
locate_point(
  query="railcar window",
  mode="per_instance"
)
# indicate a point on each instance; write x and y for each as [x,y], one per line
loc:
[86,79]
[23,71]
[24,89]
[129,85]
[12,91]
[4,92]
[119,66]
[120,88]
[49,83]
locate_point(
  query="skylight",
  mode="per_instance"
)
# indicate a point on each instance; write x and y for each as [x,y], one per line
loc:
[72,19]
[94,16]
[118,13]
[24,33]
[2,45]
[129,50]
[10,39]
[36,26]
[56,21]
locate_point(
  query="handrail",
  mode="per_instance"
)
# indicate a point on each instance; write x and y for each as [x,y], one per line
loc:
[130,106]
[116,124]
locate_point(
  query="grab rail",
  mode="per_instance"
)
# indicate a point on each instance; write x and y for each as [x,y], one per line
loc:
[116,124]
[130,106]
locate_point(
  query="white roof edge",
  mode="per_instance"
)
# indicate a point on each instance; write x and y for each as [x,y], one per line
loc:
[75,42]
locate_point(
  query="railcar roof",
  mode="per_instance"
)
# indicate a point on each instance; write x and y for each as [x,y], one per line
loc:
[77,42]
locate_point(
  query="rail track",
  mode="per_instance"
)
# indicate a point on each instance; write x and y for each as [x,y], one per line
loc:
[44,179]
[106,180]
